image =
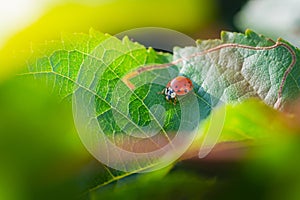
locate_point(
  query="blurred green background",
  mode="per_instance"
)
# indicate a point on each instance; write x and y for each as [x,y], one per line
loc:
[40,21]
[41,154]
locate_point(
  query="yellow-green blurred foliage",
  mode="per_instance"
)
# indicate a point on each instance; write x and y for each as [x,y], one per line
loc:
[106,16]
[39,148]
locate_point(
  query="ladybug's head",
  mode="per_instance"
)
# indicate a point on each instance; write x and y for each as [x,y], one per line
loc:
[170,93]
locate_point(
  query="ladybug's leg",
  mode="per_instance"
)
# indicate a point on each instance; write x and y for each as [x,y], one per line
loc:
[162,92]
[174,101]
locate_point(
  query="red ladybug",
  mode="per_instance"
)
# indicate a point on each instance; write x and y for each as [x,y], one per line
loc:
[178,86]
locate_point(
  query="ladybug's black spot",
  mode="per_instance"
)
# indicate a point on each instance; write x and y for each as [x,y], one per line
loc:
[185,90]
[178,90]
[176,86]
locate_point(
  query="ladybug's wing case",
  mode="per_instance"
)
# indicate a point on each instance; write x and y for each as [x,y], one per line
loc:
[181,85]
[190,83]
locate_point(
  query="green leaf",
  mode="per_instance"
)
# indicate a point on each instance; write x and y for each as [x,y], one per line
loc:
[235,68]
[257,125]
[240,66]
[108,107]
[60,66]
[176,185]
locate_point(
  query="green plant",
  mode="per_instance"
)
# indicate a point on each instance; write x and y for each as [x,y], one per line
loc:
[234,70]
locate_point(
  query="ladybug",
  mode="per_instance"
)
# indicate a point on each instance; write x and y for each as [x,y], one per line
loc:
[178,86]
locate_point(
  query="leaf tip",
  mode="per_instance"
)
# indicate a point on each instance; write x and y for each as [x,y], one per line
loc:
[198,41]
[224,35]
[149,49]
[284,41]
[249,31]
[252,34]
